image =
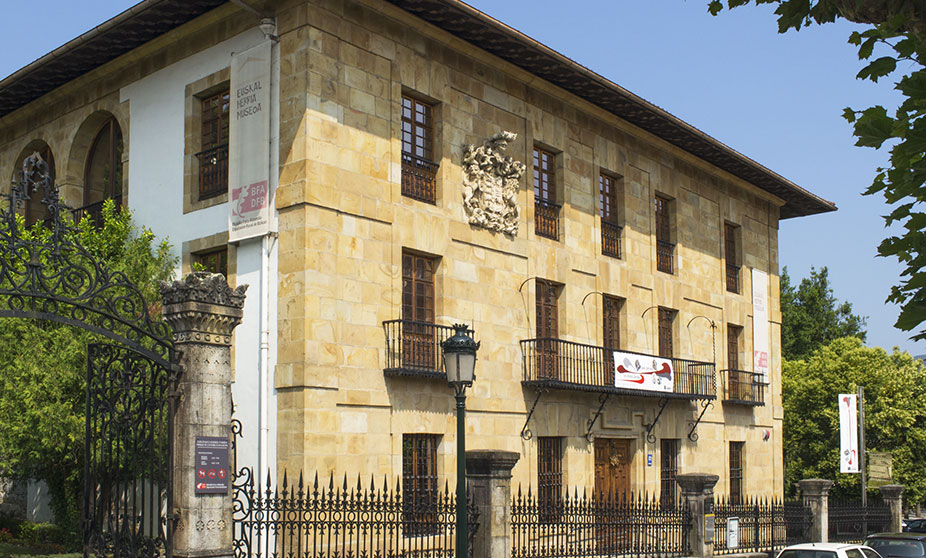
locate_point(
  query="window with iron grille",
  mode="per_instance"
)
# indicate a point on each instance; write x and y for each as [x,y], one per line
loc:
[547,318]
[549,476]
[419,341]
[213,261]
[611,321]
[546,210]
[213,159]
[731,255]
[668,474]
[736,472]
[419,171]
[609,188]
[666,323]
[419,484]
[664,246]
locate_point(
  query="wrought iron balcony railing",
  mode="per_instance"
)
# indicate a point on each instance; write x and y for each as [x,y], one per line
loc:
[413,348]
[610,239]
[555,363]
[733,278]
[213,171]
[546,218]
[419,178]
[94,211]
[665,260]
[744,388]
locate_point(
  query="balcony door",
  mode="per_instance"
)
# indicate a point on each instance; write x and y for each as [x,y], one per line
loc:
[419,344]
[547,330]
[612,484]
[103,173]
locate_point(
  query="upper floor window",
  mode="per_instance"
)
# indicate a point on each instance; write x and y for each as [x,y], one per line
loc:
[547,316]
[213,159]
[611,322]
[419,171]
[419,341]
[608,188]
[103,173]
[734,334]
[666,326]
[213,261]
[419,483]
[664,246]
[731,254]
[546,210]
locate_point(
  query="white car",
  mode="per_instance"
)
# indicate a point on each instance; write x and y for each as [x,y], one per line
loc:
[828,550]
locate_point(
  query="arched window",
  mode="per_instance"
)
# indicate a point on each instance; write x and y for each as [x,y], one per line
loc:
[103,173]
[35,210]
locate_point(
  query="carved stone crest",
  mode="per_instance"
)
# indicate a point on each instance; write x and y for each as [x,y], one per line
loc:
[490,184]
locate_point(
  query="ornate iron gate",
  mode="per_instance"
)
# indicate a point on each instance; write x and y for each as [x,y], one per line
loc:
[130,386]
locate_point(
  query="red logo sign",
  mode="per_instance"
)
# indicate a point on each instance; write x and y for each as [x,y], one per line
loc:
[200,486]
[248,199]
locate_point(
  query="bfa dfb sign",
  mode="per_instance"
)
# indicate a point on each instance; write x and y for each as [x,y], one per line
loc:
[249,144]
[211,471]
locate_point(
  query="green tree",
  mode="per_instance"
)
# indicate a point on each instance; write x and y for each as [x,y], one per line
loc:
[895,413]
[43,367]
[812,317]
[894,45]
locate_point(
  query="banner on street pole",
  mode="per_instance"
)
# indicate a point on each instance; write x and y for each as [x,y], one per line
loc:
[848,433]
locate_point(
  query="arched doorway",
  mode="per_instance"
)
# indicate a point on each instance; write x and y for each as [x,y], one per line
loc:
[131,378]
[102,171]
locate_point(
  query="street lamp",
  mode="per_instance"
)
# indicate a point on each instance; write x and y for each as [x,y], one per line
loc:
[460,364]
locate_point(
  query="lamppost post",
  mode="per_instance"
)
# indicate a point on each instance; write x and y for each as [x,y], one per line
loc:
[460,365]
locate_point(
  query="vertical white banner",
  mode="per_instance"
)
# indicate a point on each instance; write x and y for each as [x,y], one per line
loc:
[760,350]
[249,144]
[848,433]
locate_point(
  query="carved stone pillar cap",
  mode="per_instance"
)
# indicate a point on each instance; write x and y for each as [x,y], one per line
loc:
[815,487]
[202,308]
[492,463]
[892,491]
[697,482]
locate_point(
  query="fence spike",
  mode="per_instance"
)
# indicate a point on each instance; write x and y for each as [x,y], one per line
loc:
[284,480]
[358,483]
[372,484]
[268,477]
[300,480]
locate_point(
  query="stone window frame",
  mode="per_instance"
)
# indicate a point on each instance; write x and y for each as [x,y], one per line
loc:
[210,244]
[194,93]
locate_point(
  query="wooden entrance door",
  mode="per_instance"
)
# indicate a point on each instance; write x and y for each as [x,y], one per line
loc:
[612,488]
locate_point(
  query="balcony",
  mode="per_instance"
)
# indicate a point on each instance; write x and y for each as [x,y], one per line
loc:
[419,178]
[610,239]
[213,171]
[554,363]
[743,388]
[665,261]
[546,218]
[733,278]
[413,348]
[94,211]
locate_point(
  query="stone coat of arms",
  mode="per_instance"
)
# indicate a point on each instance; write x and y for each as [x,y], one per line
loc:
[490,184]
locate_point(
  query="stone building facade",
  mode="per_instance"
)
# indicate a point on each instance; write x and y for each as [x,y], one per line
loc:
[432,166]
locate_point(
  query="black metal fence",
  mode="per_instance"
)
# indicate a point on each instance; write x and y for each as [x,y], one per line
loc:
[342,520]
[567,364]
[576,526]
[849,521]
[745,388]
[761,525]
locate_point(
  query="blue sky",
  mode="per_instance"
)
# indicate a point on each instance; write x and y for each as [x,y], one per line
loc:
[776,98]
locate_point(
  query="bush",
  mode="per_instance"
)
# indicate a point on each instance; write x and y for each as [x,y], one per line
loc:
[5,535]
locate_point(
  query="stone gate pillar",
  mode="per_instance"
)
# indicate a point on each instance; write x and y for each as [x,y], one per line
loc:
[203,310]
[698,497]
[815,494]
[488,473]
[893,496]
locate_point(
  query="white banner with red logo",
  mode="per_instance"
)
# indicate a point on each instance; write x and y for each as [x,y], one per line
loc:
[249,144]
[632,371]
[760,350]
[848,433]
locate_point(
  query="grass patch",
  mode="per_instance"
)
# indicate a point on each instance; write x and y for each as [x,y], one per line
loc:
[21,550]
